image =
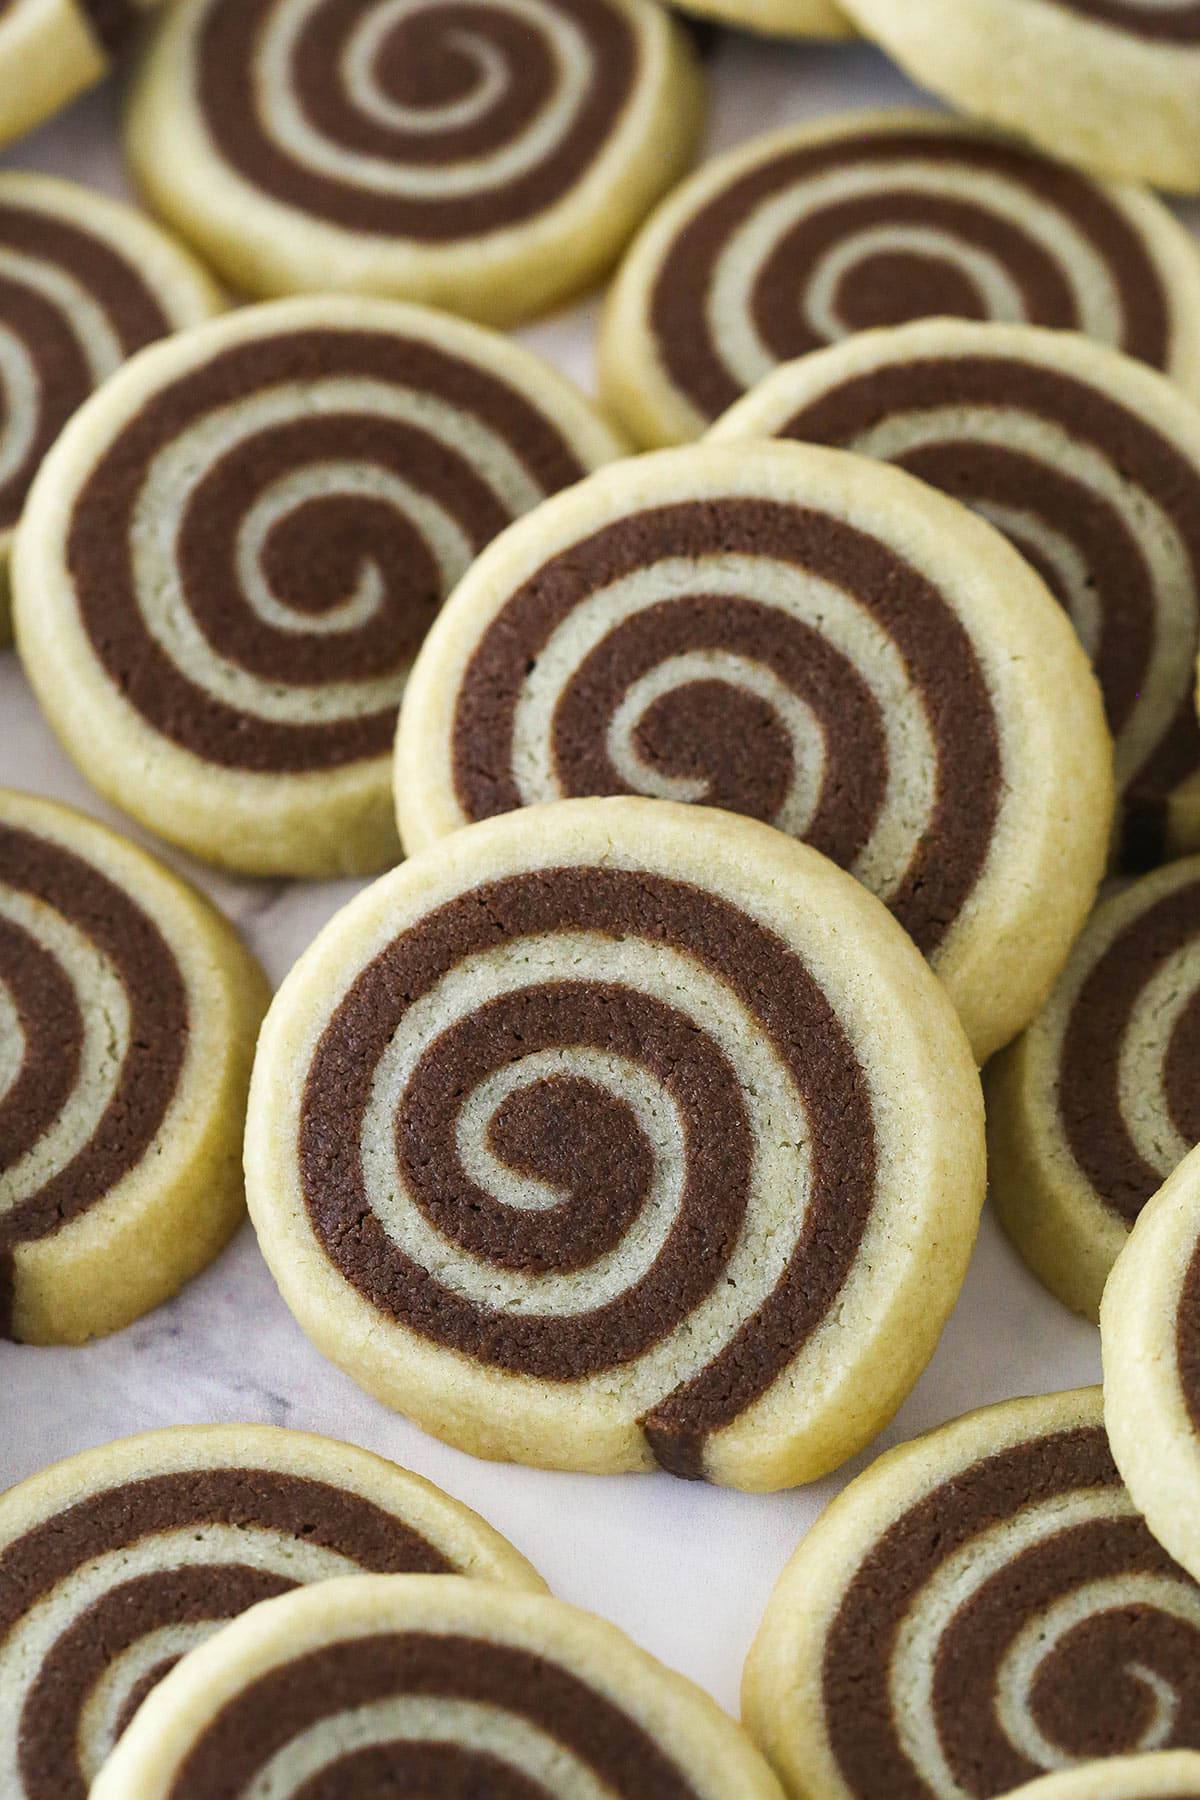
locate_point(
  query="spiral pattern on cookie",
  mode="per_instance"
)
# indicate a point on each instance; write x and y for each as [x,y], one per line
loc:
[1102,502]
[95,1012]
[1019,1618]
[1163,22]
[875,226]
[99,1600]
[429,120]
[766,658]
[550,1038]
[257,552]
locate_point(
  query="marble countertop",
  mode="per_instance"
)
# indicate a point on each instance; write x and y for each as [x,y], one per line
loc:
[686,1570]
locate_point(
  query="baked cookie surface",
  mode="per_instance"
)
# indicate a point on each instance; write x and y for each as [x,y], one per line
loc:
[776,18]
[807,638]
[116,1563]
[1150,1331]
[981,1606]
[52,50]
[230,558]
[1093,1107]
[804,237]
[1090,464]
[84,283]
[488,156]
[128,1016]
[1161,1775]
[1124,74]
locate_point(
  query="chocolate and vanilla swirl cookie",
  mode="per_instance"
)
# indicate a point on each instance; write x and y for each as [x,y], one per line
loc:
[1090,463]
[617,1133]
[488,156]
[1160,1775]
[51,50]
[1150,1331]
[434,1690]
[128,1015]
[982,1606]
[1094,1106]
[808,638]
[117,1563]
[84,282]
[1111,84]
[232,554]
[804,237]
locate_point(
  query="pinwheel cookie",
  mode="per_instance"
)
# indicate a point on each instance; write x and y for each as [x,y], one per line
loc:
[489,156]
[51,50]
[804,237]
[614,1133]
[1159,1775]
[808,638]
[117,1563]
[1090,463]
[982,1606]
[84,283]
[1108,83]
[1150,1330]
[441,1687]
[230,558]
[1093,1107]
[128,1014]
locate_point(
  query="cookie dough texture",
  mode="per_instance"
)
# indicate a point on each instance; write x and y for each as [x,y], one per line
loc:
[411,1685]
[231,555]
[1150,1331]
[1094,1106]
[52,50]
[128,1016]
[1110,84]
[981,1606]
[1090,464]
[804,237]
[1161,1775]
[617,1132]
[117,1563]
[491,158]
[84,283]
[806,637]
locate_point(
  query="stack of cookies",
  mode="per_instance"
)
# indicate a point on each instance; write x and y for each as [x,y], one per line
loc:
[774,790]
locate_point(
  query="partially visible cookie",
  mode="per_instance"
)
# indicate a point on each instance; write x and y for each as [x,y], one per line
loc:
[488,157]
[1090,463]
[981,1606]
[806,637]
[231,555]
[128,1015]
[617,1133]
[1093,1107]
[84,282]
[411,1686]
[1121,76]
[1161,1775]
[52,50]
[115,1564]
[776,18]
[809,235]
[1150,1332]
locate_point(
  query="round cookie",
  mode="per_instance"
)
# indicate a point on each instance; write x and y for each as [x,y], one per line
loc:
[1093,1107]
[230,557]
[1150,1332]
[809,638]
[414,1686]
[52,50]
[128,1016]
[117,1563]
[1090,463]
[488,156]
[1162,1775]
[1124,74]
[869,219]
[979,1607]
[84,282]
[776,18]
[614,1133]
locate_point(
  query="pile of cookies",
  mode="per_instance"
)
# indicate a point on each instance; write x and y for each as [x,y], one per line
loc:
[742,764]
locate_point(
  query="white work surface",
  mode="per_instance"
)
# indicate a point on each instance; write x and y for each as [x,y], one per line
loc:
[685,1569]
